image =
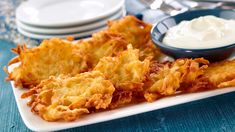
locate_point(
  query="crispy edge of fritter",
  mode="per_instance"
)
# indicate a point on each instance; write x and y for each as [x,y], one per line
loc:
[47,102]
[27,79]
[139,28]
[167,79]
[127,72]
[221,74]
[99,42]
[217,75]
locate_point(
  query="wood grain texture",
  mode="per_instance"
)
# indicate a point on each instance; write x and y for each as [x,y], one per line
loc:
[215,114]
[10,119]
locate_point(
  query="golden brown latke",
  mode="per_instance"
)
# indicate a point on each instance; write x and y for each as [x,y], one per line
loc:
[166,79]
[127,72]
[52,57]
[137,33]
[67,98]
[217,75]
[102,44]
[221,74]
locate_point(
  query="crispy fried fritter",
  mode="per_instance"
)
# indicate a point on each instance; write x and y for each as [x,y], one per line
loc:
[166,79]
[52,57]
[132,29]
[137,33]
[221,74]
[126,72]
[227,83]
[217,75]
[67,98]
[121,98]
[102,44]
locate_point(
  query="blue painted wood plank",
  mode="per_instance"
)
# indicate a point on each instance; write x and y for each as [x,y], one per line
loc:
[10,119]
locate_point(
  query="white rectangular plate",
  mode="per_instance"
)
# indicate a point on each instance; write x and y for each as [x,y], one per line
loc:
[35,123]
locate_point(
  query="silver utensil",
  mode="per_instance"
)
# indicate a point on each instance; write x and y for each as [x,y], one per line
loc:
[173,7]
[216,1]
[200,5]
[210,4]
[161,5]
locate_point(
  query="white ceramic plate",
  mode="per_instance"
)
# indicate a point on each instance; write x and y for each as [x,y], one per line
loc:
[57,13]
[45,36]
[35,123]
[74,29]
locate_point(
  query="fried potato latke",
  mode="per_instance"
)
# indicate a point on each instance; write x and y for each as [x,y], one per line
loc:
[126,72]
[52,57]
[166,79]
[137,33]
[67,98]
[221,74]
[217,75]
[102,44]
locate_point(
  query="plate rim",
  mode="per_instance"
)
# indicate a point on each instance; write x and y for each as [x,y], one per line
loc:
[103,15]
[73,29]
[46,36]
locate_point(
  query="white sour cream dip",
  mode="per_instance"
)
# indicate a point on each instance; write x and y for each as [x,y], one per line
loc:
[201,33]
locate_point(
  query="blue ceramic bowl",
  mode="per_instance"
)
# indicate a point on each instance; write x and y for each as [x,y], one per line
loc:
[212,54]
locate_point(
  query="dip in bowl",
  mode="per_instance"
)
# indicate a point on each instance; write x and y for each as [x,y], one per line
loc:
[206,33]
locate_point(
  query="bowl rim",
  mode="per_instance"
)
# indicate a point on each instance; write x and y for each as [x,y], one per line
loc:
[161,44]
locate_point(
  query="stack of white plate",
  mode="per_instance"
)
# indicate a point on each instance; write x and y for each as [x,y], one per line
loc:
[43,19]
